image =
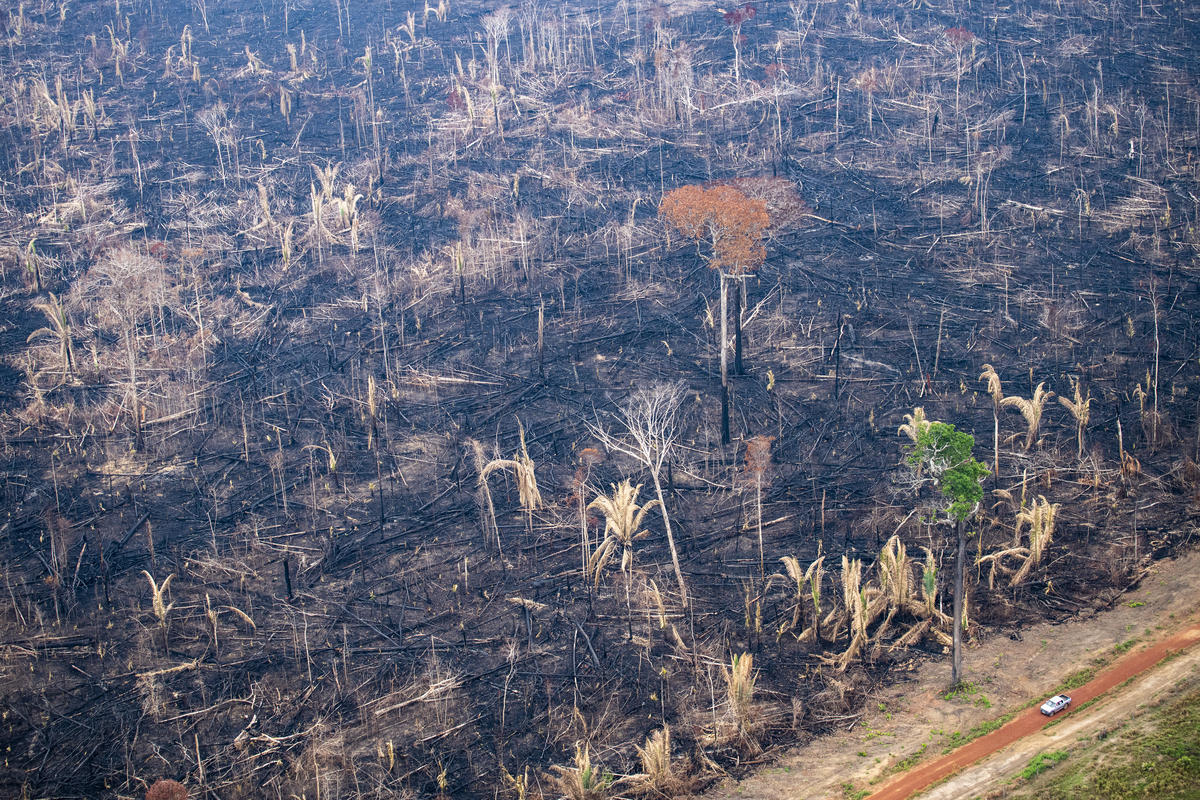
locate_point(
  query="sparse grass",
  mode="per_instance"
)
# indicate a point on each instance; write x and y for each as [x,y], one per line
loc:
[1125,646]
[1043,761]
[968,692]
[958,739]
[911,760]
[850,793]
[1076,679]
[1155,755]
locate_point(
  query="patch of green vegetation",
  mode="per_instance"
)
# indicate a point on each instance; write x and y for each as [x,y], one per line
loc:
[1076,679]
[958,738]
[1125,646]
[1043,761]
[1159,760]
[911,760]
[850,793]
[968,692]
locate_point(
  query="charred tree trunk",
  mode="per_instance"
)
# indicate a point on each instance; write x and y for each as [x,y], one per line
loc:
[723,349]
[725,414]
[131,354]
[956,667]
[738,288]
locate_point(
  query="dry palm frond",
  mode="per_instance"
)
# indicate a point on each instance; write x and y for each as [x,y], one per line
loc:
[858,612]
[658,772]
[912,635]
[623,520]
[655,596]
[1130,466]
[1030,409]
[740,680]
[915,424]
[752,603]
[327,176]
[518,783]
[529,605]
[812,577]
[267,220]
[211,614]
[997,562]
[858,632]
[851,581]
[161,609]
[1080,409]
[583,781]
[930,619]
[791,566]
[59,329]
[1008,501]
[895,572]
[487,508]
[328,451]
[814,574]
[993,384]
[1041,518]
[522,465]
[997,393]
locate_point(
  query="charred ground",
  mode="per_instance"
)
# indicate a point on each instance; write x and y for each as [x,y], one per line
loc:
[351,265]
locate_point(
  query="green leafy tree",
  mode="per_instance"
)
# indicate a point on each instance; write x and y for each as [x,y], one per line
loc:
[945,454]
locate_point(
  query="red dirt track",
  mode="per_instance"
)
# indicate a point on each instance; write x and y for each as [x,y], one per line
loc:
[1031,720]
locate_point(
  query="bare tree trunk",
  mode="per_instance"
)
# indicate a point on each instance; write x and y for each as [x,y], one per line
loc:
[725,415]
[996,442]
[762,568]
[738,369]
[662,506]
[724,333]
[956,667]
[724,351]
[133,391]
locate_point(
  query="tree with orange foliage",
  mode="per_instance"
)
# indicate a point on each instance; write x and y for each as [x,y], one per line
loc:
[732,225]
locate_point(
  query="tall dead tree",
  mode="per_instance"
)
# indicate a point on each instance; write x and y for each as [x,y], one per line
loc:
[732,226]
[647,431]
[124,291]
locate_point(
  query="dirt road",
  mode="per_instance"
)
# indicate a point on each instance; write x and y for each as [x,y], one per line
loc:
[1031,720]
[912,717]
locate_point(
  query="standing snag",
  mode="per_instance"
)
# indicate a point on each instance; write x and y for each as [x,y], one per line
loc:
[123,292]
[997,394]
[651,429]
[733,226]
[758,464]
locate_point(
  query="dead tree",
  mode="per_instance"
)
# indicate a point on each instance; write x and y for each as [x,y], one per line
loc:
[647,431]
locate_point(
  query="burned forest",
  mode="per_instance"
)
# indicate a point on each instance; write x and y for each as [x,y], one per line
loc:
[580,399]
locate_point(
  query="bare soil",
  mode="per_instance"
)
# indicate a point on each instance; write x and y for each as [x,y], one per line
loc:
[913,716]
[1036,736]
